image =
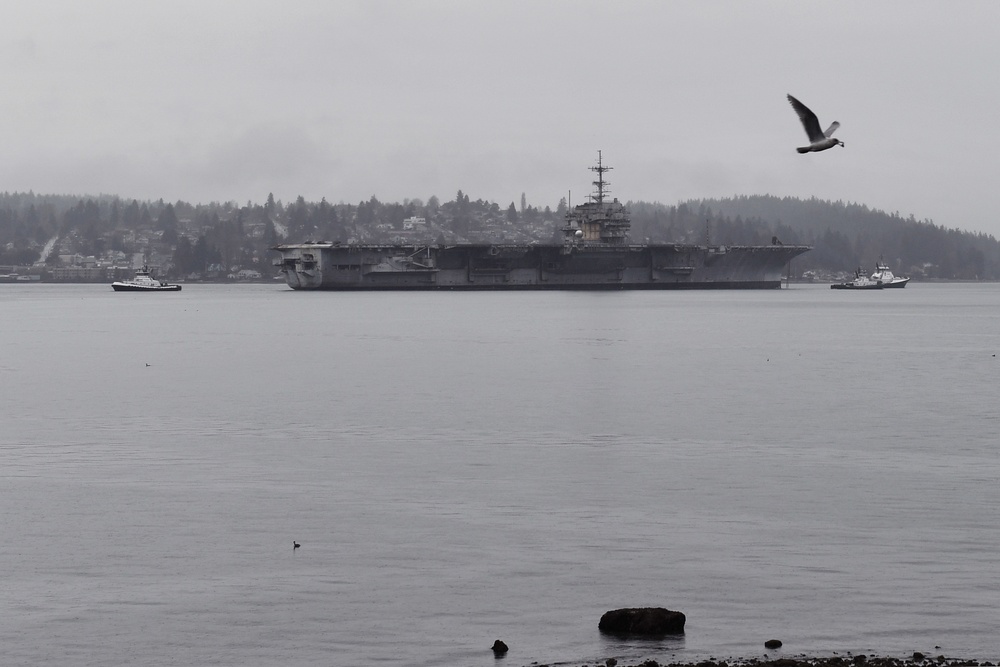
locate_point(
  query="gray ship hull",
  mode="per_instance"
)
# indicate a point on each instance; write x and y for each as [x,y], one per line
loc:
[583,266]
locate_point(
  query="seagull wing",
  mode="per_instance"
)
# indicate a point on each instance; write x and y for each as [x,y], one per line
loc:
[833,126]
[808,118]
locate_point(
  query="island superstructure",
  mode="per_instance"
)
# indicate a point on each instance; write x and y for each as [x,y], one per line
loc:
[595,254]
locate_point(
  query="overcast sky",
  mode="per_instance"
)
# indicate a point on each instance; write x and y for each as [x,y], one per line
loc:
[229,100]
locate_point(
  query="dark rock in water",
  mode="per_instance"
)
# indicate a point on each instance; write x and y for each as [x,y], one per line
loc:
[499,648]
[648,621]
[918,656]
[772,643]
[611,662]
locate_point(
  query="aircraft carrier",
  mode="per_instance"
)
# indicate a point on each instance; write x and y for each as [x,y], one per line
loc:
[595,254]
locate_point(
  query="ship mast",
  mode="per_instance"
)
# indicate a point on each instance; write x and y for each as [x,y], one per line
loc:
[600,183]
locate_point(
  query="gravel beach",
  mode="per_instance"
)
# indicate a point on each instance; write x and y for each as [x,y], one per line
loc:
[860,660]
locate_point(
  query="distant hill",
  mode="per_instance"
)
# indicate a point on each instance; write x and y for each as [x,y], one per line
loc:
[185,239]
[843,236]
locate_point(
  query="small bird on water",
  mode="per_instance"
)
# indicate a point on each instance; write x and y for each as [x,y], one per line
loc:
[295,545]
[818,140]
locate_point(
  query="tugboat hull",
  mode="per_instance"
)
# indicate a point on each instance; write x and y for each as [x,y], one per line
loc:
[124,287]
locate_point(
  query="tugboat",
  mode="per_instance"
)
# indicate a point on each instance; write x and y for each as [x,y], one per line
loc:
[861,281]
[884,275]
[144,282]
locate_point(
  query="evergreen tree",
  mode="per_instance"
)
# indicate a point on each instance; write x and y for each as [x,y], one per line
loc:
[167,223]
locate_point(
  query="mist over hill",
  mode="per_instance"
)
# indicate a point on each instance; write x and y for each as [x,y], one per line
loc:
[843,235]
[214,240]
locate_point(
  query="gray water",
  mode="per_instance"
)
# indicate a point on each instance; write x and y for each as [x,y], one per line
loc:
[804,464]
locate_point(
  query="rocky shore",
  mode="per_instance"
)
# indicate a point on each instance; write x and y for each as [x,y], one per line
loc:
[916,660]
[662,622]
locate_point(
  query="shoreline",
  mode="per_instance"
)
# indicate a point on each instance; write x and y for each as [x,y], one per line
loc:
[917,659]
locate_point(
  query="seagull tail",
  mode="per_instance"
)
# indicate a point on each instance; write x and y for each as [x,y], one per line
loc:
[803,149]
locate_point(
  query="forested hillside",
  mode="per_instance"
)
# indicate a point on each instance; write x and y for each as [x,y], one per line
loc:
[843,236]
[213,241]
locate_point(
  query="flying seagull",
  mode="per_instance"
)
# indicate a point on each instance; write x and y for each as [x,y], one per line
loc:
[818,141]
